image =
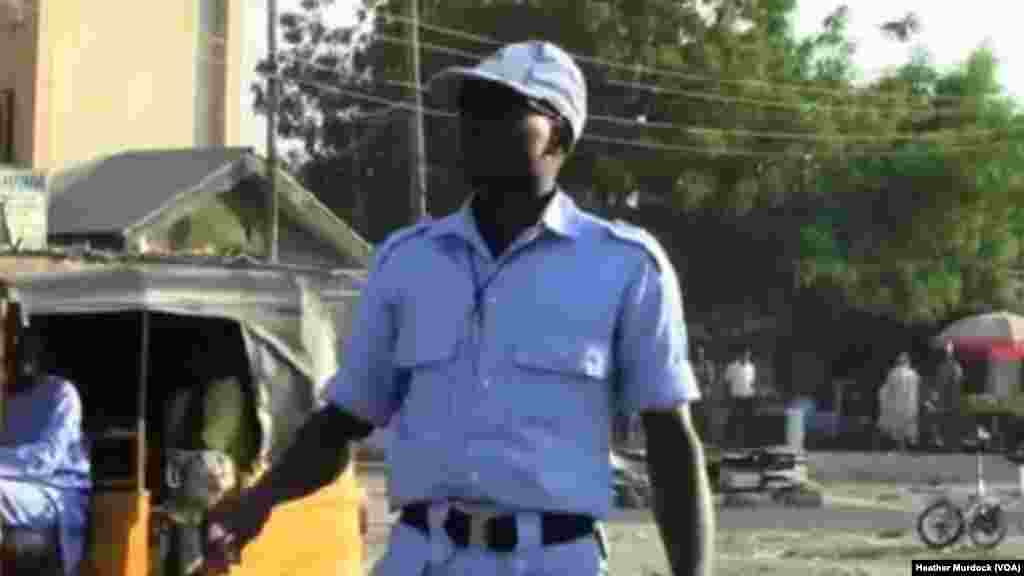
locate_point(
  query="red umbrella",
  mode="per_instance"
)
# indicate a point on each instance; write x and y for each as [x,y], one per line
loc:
[998,335]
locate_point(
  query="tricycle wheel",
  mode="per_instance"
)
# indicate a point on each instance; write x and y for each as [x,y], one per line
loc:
[987,527]
[940,524]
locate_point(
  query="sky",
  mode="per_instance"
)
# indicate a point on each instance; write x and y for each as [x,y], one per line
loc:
[949,31]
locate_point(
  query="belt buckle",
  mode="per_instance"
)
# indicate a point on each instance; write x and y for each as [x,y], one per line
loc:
[479,522]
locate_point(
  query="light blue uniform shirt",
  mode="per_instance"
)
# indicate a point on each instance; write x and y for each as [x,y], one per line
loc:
[44,464]
[502,376]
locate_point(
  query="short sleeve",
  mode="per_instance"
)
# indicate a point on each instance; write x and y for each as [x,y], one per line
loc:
[651,346]
[365,385]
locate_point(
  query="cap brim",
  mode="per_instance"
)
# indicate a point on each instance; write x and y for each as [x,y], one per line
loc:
[445,84]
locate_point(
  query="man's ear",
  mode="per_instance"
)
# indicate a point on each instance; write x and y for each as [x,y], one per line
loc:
[560,142]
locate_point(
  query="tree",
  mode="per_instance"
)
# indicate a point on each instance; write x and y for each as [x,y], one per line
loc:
[728,41]
[929,234]
[776,148]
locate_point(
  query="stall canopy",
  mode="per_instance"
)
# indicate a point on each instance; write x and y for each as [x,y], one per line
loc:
[995,335]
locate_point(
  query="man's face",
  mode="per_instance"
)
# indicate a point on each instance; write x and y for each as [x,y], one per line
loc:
[505,142]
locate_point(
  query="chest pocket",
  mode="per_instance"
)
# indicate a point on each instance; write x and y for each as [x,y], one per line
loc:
[581,358]
[427,336]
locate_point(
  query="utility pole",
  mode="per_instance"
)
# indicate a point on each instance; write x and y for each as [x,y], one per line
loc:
[358,205]
[272,84]
[417,147]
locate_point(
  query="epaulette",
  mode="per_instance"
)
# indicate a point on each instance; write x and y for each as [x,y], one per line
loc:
[638,236]
[399,237]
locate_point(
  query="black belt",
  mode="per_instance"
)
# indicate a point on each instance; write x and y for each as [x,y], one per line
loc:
[500,532]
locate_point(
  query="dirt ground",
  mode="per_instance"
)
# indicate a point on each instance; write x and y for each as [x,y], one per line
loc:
[637,551]
[867,551]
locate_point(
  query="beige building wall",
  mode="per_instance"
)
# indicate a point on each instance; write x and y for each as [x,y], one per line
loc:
[121,77]
[92,78]
[236,91]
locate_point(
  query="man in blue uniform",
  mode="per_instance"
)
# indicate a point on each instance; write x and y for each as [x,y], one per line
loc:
[500,341]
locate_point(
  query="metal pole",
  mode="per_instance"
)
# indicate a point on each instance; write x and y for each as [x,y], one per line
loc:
[140,438]
[417,147]
[272,199]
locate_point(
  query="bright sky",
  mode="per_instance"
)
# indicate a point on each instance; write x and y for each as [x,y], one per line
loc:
[949,31]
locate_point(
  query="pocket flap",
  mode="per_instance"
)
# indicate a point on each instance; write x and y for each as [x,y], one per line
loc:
[412,352]
[590,358]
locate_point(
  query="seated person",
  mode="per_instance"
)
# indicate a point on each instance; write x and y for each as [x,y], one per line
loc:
[44,464]
[212,437]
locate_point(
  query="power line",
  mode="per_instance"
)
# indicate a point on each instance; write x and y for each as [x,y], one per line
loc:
[637,68]
[713,96]
[391,105]
[780,104]
[745,133]
[739,152]
[770,135]
[707,151]
[718,151]
[367,97]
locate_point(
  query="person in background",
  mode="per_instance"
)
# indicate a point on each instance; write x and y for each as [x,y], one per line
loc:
[212,437]
[44,464]
[741,376]
[945,421]
[710,395]
[898,403]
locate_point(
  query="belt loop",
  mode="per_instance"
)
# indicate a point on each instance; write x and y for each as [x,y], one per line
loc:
[528,531]
[441,546]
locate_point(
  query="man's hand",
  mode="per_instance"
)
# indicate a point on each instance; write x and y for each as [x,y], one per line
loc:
[232,525]
[308,465]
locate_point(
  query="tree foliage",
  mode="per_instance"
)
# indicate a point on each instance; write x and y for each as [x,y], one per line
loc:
[930,233]
[858,187]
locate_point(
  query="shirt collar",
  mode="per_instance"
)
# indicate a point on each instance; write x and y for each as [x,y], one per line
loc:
[560,216]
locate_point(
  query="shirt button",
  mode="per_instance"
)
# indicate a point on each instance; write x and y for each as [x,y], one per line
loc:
[487,383]
[474,477]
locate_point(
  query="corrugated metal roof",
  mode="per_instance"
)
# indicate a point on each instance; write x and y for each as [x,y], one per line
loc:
[114,193]
[125,194]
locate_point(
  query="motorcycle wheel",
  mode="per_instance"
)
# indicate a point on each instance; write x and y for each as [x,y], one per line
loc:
[987,527]
[940,524]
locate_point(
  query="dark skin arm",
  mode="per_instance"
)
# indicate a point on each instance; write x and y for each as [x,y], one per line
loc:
[682,492]
[308,465]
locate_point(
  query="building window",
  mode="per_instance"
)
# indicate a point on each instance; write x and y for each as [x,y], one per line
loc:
[6,126]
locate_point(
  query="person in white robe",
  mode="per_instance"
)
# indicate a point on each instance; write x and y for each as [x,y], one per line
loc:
[898,403]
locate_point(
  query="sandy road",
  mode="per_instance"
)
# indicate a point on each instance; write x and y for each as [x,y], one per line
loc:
[635,542]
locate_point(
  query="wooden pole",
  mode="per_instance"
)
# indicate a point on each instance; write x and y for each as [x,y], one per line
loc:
[417,146]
